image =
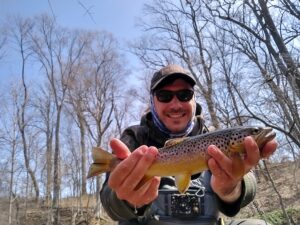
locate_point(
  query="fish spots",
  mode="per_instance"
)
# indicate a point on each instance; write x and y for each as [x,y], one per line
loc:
[190,148]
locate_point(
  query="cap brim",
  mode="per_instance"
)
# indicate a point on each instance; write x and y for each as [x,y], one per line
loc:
[183,76]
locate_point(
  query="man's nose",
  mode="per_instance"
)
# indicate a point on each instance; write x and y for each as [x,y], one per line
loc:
[176,102]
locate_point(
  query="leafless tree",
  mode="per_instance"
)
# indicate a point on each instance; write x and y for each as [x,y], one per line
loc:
[257,37]
[262,20]
[176,34]
[59,52]
[20,36]
[102,84]
[11,138]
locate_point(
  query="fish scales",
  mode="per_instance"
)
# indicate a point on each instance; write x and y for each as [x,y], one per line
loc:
[197,145]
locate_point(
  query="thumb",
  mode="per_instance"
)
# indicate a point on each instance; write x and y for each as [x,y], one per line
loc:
[119,148]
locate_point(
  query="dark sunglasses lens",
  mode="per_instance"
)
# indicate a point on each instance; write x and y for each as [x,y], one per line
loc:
[185,95]
[164,96]
[167,96]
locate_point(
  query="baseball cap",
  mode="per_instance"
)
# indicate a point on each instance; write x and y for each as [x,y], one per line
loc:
[170,71]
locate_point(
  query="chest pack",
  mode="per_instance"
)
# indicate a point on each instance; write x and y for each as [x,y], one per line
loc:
[197,206]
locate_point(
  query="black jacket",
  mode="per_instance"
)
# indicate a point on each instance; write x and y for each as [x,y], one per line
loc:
[147,134]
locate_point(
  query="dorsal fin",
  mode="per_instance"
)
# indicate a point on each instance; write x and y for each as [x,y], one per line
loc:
[175,141]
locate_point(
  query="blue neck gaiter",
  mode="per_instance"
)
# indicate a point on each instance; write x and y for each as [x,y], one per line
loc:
[159,124]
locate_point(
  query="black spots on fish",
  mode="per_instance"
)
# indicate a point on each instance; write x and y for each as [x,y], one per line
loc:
[237,138]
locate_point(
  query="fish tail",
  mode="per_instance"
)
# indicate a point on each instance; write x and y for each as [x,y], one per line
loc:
[102,162]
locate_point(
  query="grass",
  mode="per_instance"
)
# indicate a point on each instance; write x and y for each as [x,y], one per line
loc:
[276,217]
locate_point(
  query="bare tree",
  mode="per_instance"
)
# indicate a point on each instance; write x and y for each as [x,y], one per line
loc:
[176,34]
[11,138]
[59,52]
[20,35]
[102,84]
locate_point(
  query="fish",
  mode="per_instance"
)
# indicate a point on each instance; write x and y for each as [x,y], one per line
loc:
[184,157]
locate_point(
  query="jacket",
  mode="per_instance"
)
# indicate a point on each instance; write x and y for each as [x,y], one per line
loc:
[147,134]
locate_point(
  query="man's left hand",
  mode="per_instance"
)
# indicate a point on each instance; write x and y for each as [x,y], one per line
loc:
[224,181]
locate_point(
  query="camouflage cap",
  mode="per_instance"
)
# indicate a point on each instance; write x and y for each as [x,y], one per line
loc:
[169,71]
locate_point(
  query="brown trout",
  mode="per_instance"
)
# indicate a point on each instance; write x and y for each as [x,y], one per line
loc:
[183,157]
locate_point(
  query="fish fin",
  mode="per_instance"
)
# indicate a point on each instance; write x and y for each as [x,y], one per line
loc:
[183,182]
[236,148]
[99,155]
[144,180]
[96,169]
[238,169]
[175,141]
[103,161]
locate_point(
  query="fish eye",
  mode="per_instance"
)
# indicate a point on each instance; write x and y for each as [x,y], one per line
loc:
[256,130]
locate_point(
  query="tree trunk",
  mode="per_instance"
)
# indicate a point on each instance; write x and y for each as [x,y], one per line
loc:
[11,181]
[56,177]
[83,156]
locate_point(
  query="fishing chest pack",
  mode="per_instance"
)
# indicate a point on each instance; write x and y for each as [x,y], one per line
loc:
[197,206]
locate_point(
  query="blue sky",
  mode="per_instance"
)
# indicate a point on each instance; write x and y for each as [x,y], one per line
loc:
[116,16]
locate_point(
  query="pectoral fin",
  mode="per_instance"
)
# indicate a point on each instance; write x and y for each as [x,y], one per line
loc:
[238,169]
[183,182]
[236,147]
[144,180]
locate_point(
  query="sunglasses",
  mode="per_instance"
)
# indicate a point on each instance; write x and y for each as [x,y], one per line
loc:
[166,95]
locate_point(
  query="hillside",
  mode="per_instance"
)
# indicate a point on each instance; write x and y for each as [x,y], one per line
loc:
[267,202]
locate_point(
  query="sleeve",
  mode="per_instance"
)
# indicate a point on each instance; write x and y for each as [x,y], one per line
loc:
[248,194]
[117,209]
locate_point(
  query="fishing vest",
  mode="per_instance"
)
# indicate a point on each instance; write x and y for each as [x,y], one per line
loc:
[197,206]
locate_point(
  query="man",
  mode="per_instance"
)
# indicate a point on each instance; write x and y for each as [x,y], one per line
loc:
[174,113]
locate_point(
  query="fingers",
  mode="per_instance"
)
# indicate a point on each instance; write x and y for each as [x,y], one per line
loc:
[252,155]
[220,165]
[147,193]
[119,148]
[225,168]
[131,170]
[227,172]
[143,160]
[224,179]
[152,192]
[269,149]
[125,178]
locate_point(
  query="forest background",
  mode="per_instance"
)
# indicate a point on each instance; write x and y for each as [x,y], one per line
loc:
[76,88]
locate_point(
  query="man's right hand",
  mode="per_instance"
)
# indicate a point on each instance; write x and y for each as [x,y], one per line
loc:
[126,176]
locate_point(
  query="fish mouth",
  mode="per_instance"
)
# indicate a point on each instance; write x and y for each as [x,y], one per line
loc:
[265,135]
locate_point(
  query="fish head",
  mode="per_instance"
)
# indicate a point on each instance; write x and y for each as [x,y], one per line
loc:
[261,135]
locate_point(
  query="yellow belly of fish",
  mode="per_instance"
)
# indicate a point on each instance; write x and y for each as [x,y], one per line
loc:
[171,168]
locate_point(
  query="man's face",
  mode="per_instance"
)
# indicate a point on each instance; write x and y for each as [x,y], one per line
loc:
[175,114]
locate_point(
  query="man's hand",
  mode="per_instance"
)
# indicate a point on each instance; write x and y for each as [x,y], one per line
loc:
[224,181]
[125,178]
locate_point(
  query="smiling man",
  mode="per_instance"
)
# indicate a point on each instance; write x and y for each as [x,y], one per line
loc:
[174,113]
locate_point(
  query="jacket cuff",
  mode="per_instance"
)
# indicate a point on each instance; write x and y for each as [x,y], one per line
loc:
[120,210]
[247,195]
[250,185]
